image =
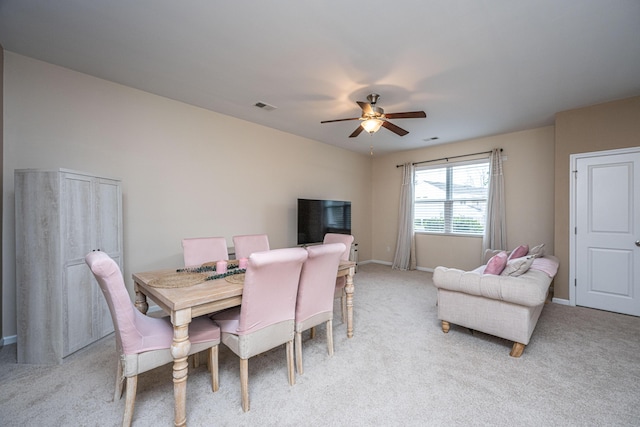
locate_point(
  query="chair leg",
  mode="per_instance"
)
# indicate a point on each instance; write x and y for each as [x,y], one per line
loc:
[213,365]
[290,367]
[343,300]
[244,383]
[196,360]
[299,352]
[130,400]
[312,334]
[330,337]
[119,381]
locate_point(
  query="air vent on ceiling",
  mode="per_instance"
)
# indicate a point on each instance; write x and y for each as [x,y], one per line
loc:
[265,106]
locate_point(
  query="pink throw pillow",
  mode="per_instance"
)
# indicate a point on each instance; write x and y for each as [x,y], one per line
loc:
[496,264]
[519,252]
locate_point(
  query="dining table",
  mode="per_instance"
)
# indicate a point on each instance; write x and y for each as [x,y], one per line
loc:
[185,295]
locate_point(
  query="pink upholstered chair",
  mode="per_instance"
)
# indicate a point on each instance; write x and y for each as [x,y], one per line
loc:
[199,250]
[347,240]
[144,343]
[250,243]
[265,319]
[316,293]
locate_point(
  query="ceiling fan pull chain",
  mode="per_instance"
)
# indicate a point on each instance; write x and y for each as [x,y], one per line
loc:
[371,146]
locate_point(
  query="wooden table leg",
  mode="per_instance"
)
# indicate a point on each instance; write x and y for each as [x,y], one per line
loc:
[349,291]
[179,350]
[141,301]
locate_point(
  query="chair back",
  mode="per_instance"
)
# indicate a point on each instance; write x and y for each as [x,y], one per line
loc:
[270,288]
[198,250]
[346,239]
[318,280]
[247,244]
[135,332]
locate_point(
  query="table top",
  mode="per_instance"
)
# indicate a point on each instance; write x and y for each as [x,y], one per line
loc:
[209,295]
[180,298]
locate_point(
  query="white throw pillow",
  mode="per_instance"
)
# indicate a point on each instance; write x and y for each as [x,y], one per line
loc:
[517,266]
[537,251]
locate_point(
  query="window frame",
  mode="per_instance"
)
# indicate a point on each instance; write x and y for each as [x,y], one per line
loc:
[450,199]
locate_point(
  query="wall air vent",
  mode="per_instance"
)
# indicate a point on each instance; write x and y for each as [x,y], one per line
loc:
[265,106]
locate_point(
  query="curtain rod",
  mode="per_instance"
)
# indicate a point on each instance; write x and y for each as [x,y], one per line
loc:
[447,158]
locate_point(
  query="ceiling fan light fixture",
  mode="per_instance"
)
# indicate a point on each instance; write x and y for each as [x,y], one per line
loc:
[371,125]
[374,117]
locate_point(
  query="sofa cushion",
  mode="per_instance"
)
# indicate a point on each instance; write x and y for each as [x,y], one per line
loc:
[530,289]
[549,265]
[496,264]
[517,266]
[519,252]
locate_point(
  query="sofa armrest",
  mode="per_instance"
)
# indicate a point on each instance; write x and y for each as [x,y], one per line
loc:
[529,289]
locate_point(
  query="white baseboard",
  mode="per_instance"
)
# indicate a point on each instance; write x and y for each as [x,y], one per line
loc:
[561,301]
[9,340]
[376,261]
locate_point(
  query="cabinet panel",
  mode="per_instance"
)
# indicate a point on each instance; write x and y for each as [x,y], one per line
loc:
[38,260]
[78,219]
[109,214]
[79,308]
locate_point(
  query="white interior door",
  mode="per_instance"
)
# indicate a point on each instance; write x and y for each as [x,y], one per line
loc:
[607,234]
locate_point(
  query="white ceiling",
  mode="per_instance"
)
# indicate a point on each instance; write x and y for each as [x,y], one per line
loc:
[476,67]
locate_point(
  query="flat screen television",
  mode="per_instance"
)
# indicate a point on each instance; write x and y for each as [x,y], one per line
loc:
[318,217]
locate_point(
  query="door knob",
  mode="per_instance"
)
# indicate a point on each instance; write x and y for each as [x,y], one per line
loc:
[637,242]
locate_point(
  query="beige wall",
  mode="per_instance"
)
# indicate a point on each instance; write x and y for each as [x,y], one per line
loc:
[186,171]
[1,173]
[528,172]
[596,128]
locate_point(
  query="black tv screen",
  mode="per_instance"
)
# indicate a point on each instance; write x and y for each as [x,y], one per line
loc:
[319,217]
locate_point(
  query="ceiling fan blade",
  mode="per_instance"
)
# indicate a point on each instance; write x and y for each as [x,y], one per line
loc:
[356,132]
[395,129]
[340,120]
[366,108]
[407,115]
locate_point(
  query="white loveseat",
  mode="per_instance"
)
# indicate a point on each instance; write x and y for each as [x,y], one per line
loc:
[501,305]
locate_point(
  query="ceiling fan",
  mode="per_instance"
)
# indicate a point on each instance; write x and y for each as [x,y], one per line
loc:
[373,117]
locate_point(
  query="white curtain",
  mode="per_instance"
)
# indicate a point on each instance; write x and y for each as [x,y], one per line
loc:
[405,258]
[495,232]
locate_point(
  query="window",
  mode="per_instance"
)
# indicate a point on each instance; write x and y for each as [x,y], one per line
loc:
[451,198]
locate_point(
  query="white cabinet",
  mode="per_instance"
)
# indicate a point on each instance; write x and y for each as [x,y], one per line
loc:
[61,216]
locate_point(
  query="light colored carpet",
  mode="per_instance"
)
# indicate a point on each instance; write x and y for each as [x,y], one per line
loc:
[581,368]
